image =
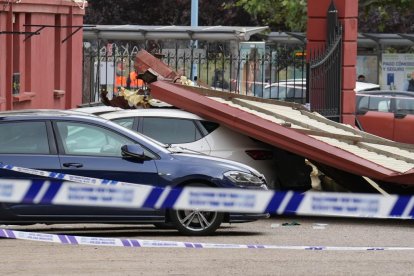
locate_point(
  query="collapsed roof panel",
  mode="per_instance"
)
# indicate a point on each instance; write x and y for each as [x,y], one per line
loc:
[293,128]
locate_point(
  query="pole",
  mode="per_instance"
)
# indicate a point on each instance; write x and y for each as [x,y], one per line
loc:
[194,43]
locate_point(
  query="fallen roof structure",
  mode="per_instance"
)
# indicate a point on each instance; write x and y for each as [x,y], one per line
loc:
[293,128]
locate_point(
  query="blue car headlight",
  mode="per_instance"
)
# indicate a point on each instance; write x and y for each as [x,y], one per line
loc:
[244,179]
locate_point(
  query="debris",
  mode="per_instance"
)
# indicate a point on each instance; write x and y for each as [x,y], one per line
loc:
[185,81]
[319,226]
[127,99]
[314,175]
[293,223]
[274,225]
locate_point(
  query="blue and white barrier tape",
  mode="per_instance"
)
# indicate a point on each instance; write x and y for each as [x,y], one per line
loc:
[64,176]
[124,194]
[111,194]
[211,199]
[97,241]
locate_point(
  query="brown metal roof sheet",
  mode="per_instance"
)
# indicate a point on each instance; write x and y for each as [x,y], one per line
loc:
[293,128]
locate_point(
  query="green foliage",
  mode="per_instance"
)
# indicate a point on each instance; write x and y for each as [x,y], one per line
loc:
[279,15]
[285,14]
[374,15]
[386,16]
[164,12]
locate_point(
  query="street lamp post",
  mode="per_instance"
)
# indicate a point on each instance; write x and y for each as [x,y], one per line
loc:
[194,43]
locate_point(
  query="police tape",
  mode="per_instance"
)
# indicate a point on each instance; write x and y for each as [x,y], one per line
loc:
[64,176]
[207,199]
[111,193]
[79,191]
[117,242]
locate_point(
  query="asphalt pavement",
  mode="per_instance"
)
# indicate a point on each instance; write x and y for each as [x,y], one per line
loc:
[336,242]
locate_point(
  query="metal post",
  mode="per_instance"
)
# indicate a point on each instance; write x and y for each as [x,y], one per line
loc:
[194,43]
[332,23]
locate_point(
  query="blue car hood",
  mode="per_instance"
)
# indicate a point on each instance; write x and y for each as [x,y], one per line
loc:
[207,160]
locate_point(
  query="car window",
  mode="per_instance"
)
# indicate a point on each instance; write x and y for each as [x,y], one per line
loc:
[209,126]
[278,92]
[125,122]
[24,137]
[296,93]
[170,130]
[86,139]
[363,103]
[373,103]
[405,105]
[379,103]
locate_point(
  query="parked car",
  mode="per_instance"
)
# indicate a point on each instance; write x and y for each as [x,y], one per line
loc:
[187,130]
[79,144]
[294,90]
[389,114]
[366,86]
[286,91]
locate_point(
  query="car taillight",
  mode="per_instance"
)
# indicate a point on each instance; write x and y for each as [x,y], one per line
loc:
[260,154]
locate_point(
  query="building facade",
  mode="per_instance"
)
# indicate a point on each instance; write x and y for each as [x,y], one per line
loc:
[41,54]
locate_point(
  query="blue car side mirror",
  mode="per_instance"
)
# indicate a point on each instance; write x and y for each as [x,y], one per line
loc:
[133,151]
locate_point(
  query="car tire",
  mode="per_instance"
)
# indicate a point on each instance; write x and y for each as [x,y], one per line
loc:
[195,222]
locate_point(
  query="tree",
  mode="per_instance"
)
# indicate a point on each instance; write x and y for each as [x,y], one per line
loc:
[165,12]
[374,15]
[278,15]
[386,16]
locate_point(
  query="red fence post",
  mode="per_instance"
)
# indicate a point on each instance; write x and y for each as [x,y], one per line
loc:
[316,35]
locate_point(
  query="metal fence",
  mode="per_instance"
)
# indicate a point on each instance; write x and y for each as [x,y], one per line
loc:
[281,72]
[268,72]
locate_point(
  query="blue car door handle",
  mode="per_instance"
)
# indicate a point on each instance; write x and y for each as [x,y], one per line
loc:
[72,165]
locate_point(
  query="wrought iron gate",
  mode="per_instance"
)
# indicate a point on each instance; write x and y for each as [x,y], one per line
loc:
[324,79]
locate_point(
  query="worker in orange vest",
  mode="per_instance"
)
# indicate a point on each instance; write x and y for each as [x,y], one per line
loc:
[133,82]
[120,79]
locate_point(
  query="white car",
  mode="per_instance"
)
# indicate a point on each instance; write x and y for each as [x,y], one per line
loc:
[366,86]
[295,90]
[285,92]
[97,110]
[187,130]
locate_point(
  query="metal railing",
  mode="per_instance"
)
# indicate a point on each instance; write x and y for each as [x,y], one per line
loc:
[266,72]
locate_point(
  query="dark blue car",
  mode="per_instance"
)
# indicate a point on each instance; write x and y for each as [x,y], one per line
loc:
[85,145]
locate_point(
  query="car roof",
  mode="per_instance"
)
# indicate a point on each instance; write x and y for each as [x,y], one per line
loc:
[152,112]
[285,84]
[365,86]
[46,113]
[298,83]
[97,109]
[387,93]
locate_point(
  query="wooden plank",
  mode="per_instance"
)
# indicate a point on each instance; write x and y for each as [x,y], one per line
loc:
[380,140]
[360,142]
[367,137]
[287,119]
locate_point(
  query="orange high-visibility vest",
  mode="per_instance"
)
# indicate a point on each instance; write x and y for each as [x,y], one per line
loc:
[135,82]
[120,81]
